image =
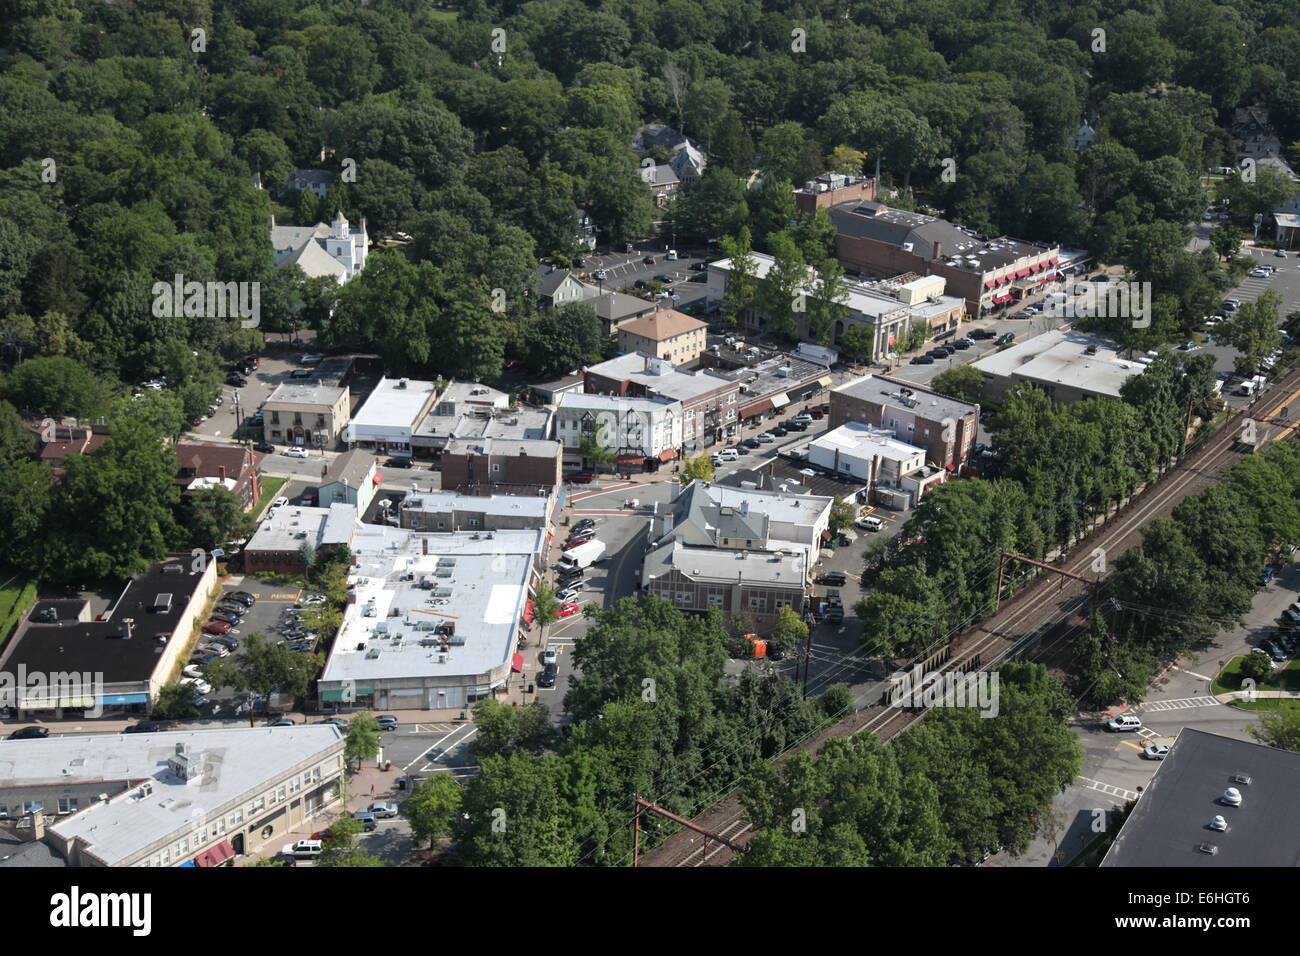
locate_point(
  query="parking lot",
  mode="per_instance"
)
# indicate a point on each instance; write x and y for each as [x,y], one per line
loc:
[623,270]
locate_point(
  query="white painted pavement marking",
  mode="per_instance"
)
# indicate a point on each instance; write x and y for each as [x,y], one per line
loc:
[439,742]
[1108,789]
[1183,670]
[1182,703]
[1146,733]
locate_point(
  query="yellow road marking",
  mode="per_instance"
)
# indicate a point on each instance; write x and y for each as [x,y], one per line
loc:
[436,728]
[1129,743]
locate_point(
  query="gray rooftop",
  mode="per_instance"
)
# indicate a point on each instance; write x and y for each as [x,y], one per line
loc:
[664,378]
[305,393]
[489,577]
[1171,817]
[616,306]
[766,379]
[614,403]
[470,410]
[514,447]
[235,761]
[394,403]
[289,527]
[351,467]
[1061,358]
[727,565]
[919,400]
[436,502]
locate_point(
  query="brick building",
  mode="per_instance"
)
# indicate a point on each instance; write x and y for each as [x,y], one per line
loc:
[233,467]
[914,414]
[499,461]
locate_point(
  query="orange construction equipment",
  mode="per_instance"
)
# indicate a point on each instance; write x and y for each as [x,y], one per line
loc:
[760,645]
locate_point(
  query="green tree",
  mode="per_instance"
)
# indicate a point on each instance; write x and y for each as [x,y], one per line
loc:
[176,702]
[1280,729]
[741,291]
[16,442]
[1225,240]
[698,468]
[857,341]
[433,808]
[265,668]
[214,515]
[961,381]
[592,447]
[1253,331]
[362,741]
[783,296]
[341,849]
[1257,667]
[546,608]
[841,517]
[788,631]
[57,386]
[564,338]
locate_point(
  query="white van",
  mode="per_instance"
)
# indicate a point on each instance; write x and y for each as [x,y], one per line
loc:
[1246,388]
[303,849]
[672,255]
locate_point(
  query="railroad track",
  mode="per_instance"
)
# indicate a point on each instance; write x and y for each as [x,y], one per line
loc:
[1042,616]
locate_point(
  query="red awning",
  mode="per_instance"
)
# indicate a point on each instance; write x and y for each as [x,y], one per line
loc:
[668,454]
[517,664]
[1004,298]
[629,459]
[1055,260]
[378,478]
[991,283]
[1021,273]
[1035,267]
[528,611]
[215,856]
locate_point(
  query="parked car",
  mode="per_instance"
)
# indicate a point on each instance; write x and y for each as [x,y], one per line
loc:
[383,811]
[367,820]
[338,722]
[387,722]
[870,523]
[1156,751]
[550,656]
[144,727]
[303,849]
[265,447]
[581,478]
[1006,338]
[227,642]
[398,461]
[780,431]
[1126,723]
[1280,254]
[30,733]
[795,425]
[978,334]
[198,683]
[922,360]
[567,609]
[191,670]
[217,650]
[547,677]
[231,619]
[243,597]
[584,523]
[217,627]
[802,417]
[833,578]
[294,452]
[650,260]
[766,438]
[962,345]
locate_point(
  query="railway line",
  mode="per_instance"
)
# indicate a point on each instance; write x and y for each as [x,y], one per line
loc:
[1040,622]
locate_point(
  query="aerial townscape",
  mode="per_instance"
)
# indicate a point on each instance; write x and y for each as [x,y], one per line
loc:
[647,433]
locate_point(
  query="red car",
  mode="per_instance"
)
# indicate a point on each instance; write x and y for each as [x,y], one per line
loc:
[567,610]
[217,627]
[252,360]
[582,478]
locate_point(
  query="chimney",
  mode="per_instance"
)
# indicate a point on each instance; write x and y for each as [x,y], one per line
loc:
[221,472]
[744,506]
[647,363]
[180,749]
[425,542]
[938,250]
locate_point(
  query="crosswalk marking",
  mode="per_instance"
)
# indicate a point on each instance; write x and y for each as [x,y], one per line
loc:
[1146,733]
[1182,703]
[435,728]
[1108,789]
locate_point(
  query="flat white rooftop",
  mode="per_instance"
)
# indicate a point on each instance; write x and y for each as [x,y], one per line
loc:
[234,761]
[863,441]
[1061,358]
[777,505]
[395,403]
[483,592]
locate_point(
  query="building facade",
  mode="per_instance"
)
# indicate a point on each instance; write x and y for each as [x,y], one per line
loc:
[632,429]
[666,334]
[944,427]
[497,461]
[306,415]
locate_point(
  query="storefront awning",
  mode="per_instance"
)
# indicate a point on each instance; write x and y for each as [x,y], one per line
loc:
[990,283]
[758,408]
[517,664]
[668,454]
[1021,273]
[528,611]
[378,478]
[825,380]
[1034,267]
[629,459]
[1055,260]
[780,400]
[125,699]
[345,695]
[215,856]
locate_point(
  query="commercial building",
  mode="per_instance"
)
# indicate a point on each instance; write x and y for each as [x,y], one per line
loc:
[635,430]
[501,461]
[888,307]
[893,472]
[387,420]
[666,334]
[944,427]
[709,400]
[117,663]
[233,467]
[449,511]
[433,619]
[773,385]
[830,189]
[1214,802]
[174,798]
[308,414]
[470,410]
[1068,366]
[743,551]
[988,274]
[352,478]
[279,542]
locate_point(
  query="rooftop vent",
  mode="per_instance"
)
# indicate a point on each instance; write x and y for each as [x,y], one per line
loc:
[1231,797]
[1208,848]
[1218,823]
[1241,778]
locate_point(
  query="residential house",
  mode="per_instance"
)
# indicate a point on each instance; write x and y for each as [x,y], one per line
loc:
[321,250]
[233,467]
[560,287]
[616,309]
[59,441]
[662,180]
[316,180]
[1083,137]
[352,478]
[666,334]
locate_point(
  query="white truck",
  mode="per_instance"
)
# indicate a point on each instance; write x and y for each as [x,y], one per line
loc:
[584,555]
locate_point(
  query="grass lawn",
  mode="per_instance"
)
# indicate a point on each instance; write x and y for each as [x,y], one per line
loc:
[17,594]
[271,486]
[1288,678]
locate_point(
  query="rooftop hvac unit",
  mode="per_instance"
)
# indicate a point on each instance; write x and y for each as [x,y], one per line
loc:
[372,654]
[442,573]
[442,592]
